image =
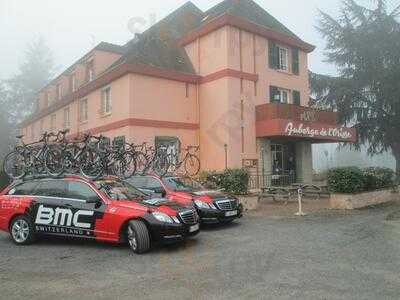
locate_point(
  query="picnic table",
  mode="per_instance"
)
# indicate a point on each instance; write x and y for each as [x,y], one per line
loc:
[288,191]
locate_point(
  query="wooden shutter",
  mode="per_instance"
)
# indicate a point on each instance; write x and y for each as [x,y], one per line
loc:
[295,61]
[296,98]
[273,90]
[273,55]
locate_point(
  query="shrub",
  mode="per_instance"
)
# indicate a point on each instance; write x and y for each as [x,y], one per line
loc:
[233,181]
[346,180]
[355,180]
[376,178]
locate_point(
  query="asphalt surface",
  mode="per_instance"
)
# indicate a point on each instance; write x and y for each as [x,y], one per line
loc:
[326,255]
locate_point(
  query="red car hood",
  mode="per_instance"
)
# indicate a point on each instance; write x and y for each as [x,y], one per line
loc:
[162,205]
[207,196]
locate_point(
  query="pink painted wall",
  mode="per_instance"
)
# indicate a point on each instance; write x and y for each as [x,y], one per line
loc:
[220,101]
[208,53]
[134,96]
[162,99]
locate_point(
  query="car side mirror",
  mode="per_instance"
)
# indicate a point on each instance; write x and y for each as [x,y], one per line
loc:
[159,190]
[96,201]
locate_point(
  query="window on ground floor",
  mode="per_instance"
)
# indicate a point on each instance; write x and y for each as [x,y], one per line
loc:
[83,110]
[66,118]
[106,100]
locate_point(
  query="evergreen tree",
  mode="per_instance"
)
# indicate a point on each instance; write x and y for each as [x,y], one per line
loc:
[364,44]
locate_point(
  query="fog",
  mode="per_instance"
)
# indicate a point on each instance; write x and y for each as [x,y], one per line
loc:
[71,28]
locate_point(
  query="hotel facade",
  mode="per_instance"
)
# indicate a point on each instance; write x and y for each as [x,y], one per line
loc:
[232,80]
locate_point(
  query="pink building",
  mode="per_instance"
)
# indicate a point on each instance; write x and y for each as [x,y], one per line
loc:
[233,80]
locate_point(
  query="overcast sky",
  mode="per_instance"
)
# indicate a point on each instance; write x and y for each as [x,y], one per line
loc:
[73,27]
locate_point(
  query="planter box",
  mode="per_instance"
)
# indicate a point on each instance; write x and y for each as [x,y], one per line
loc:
[249,202]
[359,200]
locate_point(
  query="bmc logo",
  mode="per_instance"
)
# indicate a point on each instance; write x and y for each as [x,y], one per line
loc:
[62,217]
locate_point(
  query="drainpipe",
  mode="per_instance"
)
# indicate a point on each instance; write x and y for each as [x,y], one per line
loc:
[226,156]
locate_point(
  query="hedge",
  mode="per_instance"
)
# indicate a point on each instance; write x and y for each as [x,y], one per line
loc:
[234,181]
[378,178]
[356,180]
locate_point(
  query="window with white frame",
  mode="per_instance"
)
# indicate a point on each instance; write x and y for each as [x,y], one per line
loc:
[53,122]
[73,82]
[90,70]
[106,100]
[283,58]
[66,118]
[283,95]
[49,99]
[279,95]
[83,110]
[59,91]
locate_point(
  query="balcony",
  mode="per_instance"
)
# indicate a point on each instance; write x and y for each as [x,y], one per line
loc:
[287,120]
[295,113]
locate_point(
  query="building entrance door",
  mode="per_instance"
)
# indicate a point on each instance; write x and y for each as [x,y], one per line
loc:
[283,163]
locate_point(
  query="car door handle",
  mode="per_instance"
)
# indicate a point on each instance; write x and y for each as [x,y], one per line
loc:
[68,205]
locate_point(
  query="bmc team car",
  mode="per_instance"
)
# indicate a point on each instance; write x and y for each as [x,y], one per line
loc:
[212,206]
[106,210]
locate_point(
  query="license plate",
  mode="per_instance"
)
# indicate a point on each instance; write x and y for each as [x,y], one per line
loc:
[194,228]
[231,213]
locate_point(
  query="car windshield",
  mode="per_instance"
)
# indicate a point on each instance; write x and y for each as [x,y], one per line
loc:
[183,184]
[120,190]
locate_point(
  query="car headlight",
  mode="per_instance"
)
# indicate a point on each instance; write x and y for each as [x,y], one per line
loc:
[176,220]
[212,206]
[201,204]
[162,217]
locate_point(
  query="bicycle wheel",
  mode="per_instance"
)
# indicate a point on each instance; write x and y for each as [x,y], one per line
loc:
[141,162]
[54,161]
[124,165]
[14,165]
[90,164]
[192,165]
[161,165]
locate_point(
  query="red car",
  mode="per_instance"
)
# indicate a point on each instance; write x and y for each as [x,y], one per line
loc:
[105,210]
[212,206]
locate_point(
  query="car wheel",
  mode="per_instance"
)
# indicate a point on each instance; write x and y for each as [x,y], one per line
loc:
[22,231]
[138,236]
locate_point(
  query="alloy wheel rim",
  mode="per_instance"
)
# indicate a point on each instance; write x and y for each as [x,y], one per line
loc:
[20,231]
[132,238]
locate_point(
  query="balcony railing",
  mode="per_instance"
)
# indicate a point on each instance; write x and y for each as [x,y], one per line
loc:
[292,112]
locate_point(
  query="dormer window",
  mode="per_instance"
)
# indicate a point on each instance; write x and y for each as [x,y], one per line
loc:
[90,70]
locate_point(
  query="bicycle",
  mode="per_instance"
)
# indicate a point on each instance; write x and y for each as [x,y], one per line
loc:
[190,162]
[27,158]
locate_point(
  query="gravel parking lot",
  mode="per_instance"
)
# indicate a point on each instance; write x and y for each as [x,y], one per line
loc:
[328,255]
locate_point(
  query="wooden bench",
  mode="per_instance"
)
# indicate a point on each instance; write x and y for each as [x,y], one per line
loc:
[273,192]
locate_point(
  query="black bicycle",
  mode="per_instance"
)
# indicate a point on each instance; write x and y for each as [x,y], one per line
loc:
[27,158]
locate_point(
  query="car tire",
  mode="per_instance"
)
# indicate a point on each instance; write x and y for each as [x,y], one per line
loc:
[138,236]
[22,231]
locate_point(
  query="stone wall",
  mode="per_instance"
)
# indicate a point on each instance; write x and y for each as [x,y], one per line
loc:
[354,201]
[249,202]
